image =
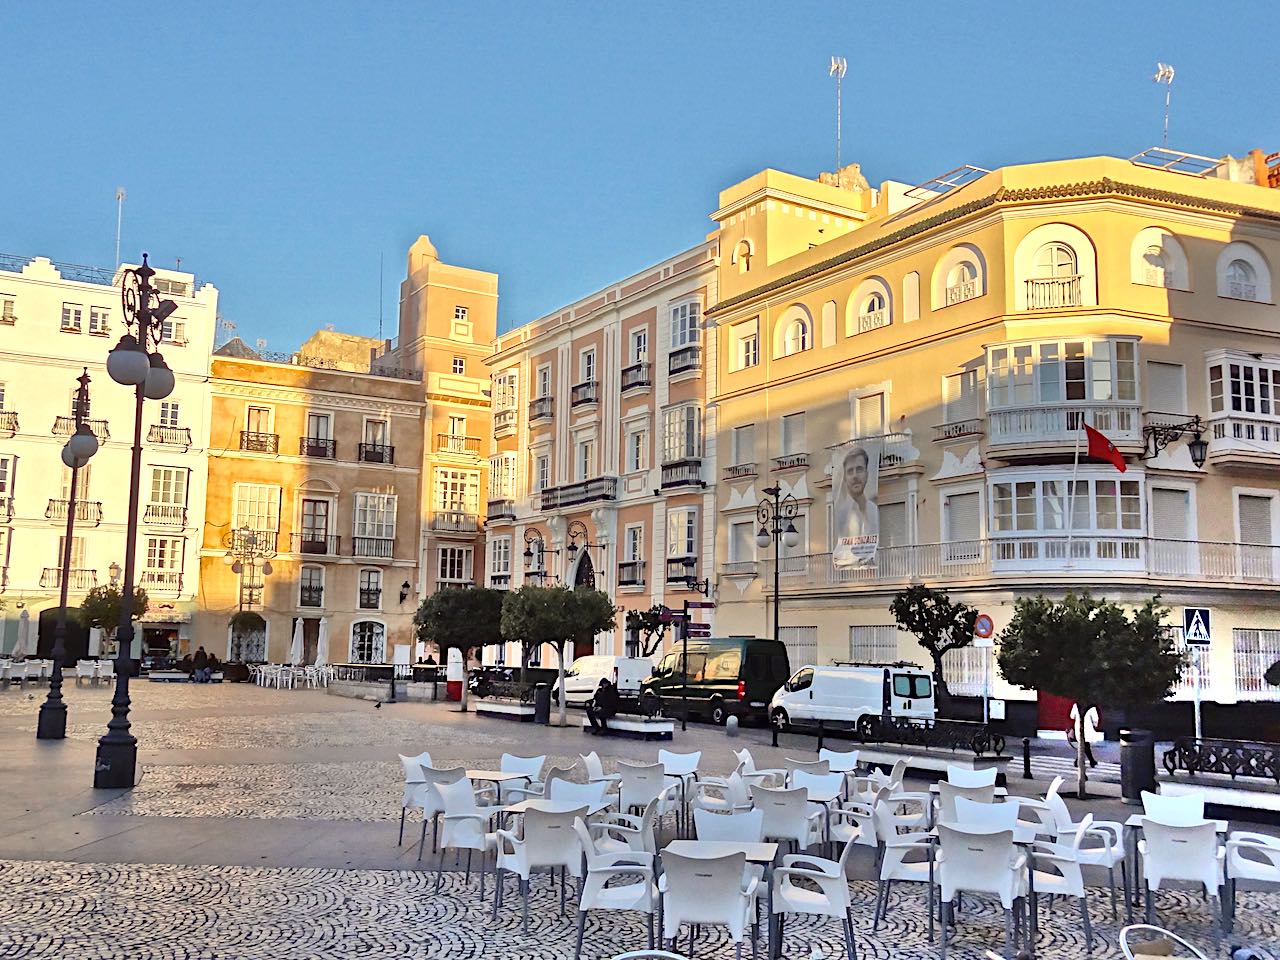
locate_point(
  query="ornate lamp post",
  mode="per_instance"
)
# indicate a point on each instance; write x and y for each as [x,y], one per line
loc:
[772,514]
[77,452]
[248,552]
[532,537]
[134,362]
[1157,436]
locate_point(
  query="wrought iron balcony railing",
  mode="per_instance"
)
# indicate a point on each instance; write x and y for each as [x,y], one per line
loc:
[681,569]
[8,422]
[321,448]
[87,511]
[452,443]
[370,598]
[165,514]
[631,573]
[737,471]
[175,436]
[66,426]
[78,578]
[316,543]
[309,596]
[377,453]
[682,473]
[588,392]
[541,408]
[456,521]
[637,375]
[685,359]
[259,442]
[573,494]
[375,548]
[791,461]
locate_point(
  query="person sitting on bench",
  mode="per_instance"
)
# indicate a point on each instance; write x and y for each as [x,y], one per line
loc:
[602,706]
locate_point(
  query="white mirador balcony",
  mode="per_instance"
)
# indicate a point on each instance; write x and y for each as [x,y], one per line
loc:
[1234,438]
[1062,422]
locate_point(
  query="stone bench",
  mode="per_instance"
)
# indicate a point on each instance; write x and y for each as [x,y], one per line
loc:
[177,676]
[634,725]
[504,709]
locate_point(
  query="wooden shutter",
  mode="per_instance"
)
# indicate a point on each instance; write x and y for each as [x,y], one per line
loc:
[1255,520]
[1169,513]
[1166,387]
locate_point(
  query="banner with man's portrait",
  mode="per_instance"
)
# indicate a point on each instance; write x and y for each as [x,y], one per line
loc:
[855,488]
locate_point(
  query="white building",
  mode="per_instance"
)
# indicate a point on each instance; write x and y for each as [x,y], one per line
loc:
[55,320]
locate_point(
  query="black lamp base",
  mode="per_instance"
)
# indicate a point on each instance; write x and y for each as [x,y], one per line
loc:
[116,765]
[52,724]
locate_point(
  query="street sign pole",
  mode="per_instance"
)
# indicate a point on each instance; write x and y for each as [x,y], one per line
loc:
[1197,655]
[1197,636]
[684,669]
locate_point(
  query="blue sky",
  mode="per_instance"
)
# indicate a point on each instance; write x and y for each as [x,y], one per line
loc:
[281,148]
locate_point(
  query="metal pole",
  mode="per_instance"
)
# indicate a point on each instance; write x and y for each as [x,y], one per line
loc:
[1026,758]
[1196,655]
[52,722]
[777,562]
[684,669]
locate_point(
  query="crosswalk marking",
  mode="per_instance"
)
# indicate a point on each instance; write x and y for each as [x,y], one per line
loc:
[1049,767]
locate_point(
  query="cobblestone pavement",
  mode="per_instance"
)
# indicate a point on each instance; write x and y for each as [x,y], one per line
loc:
[20,701]
[146,912]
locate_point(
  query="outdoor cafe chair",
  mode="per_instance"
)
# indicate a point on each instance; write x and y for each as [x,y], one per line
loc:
[595,769]
[563,790]
[547,842]
[1174,811]
[433,801]
[1253,858]
[106,670]
[618,832]
[747,769]
[964,777]
[977,815]
[683,769]
[1063,877]
[982,862]
[517,790]
[641,783]
[822,892]
[601,889]
[721,796]
[808,766]
[854,821]
[1188,852]
[415,786]
[466,827]
[904,858]
[706,891]
[742,827]
[84,671]
[841,761]
[789,816]
[949,792]
[530,768]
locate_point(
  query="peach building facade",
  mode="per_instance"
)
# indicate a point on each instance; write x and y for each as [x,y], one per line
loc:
[603,466]
[958,335]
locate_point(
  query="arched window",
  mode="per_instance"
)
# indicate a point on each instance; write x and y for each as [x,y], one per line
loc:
[248,638]
[873,303]
[1056,260]
[797,338]
[1241,280]
[368,642]
[964,272]
[742,255]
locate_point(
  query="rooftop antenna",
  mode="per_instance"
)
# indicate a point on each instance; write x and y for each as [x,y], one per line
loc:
[839,66]
[380,259]
[1164,74]
[226,328]
[120,195]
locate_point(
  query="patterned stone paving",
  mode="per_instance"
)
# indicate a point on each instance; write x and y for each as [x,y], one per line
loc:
[149,912]
[17,701]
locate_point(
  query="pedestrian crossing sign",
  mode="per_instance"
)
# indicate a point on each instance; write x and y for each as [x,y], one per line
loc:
[1195,626]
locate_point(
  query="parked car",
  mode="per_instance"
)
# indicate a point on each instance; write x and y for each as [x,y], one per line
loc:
[846,693]
[491,680]
[726,676]
[584,676]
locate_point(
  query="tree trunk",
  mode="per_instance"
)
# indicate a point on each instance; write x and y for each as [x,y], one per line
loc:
[560,666]
[941,695]
[524,663]
[1081,777]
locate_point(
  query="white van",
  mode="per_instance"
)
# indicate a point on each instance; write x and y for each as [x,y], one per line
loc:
[845,693]
[584,676]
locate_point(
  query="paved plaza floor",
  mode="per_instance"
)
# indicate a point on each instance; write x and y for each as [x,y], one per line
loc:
[265,822]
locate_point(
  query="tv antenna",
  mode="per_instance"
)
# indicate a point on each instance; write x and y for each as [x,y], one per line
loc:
[1164,74]
[225,329]
[120,195]
[839,66]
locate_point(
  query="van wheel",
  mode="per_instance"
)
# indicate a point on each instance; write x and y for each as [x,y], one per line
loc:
[780,720]
[718,713]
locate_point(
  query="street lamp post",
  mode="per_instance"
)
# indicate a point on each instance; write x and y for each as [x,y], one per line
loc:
[78,450]
[132,364]
[772,514]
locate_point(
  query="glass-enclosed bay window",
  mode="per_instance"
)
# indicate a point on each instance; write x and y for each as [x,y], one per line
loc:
[1034,517]
[1062,371]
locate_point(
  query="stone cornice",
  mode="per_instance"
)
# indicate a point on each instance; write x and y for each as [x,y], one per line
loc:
[341,401]
[1105,187]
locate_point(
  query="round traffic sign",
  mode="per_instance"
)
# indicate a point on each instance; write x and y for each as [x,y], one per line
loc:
[983,626]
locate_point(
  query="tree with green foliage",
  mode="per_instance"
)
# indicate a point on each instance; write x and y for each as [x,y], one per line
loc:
[649,626]
[460,617]
[937,624]
[533,615]
[101,608]
[1091,652]
[1272,676]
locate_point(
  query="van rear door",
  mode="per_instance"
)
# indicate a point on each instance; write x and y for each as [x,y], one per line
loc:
[911,695]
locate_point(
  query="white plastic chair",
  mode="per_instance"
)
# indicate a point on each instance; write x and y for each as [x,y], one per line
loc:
[844,762]
[707,891]
[528,767]
[948,792]
[808,766]
[974,861]
[1127,935]
[964,777]
[854,822]
[829,899]
[721,796]
[682,768]
[433,802]
[84,671]
[465,827]
[984,816]
[106,670]
[566,791]
[1063,877]
[745,827]
[595,769]
[1104,847]
[1188,852]
[1174,811]
[904,858]
[619,832]
[600,889]
[513,791]
[642,782]
[548,841]
[747,769]
[788,815]
[1253,858]
[415,786]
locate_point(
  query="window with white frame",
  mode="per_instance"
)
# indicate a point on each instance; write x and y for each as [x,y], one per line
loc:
[502,476]
[164,554]
[368,642]
[744,444]
[869,415]
[370,589]
[82,482]
[1255,652]
[170,413]
[99,320]
[1242,280]
[311,586]
[793,438]
[586,458]
[1055,260]
[797,337]
[1053,371]
[587,365]
[1240,386]
[257,419]
[77,553]
[1166,388]
[505,393]
[71,314]
[744,344]
[454,564]
[377,433]
[458,491]
[1254,515]
[169,486]
[457,426]
[544,381]
[873,644]
[256,506]
[893,525]
[633,543]
[174,332]
[960,397]
[459,365]
[375,516]
[500,556]
[461,314]
[637,449]
[8,309]
[681,433]
[1039,505]
[6,477]
[4,391]
[682,532]
[684,324]
[639,345]
[541,472]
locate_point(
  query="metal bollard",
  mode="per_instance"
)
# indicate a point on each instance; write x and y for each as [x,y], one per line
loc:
[773,727]
[1026,758]
[731,726]
[821,733]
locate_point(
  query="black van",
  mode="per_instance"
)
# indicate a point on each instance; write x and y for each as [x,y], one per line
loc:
[726,675]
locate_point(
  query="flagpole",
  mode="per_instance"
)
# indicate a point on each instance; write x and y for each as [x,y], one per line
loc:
[1071,491]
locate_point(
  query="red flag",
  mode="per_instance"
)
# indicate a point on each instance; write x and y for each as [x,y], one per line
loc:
[1103,449]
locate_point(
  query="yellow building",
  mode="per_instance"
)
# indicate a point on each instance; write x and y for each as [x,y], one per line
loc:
[957,335]
[345,480]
